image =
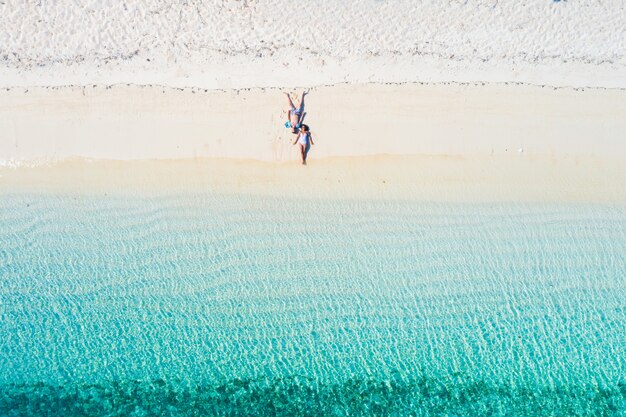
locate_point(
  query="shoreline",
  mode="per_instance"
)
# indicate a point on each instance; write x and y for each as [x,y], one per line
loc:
[428,142]
[433,178]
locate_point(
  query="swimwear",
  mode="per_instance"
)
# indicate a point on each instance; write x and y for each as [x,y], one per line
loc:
[295,112]
[303,139]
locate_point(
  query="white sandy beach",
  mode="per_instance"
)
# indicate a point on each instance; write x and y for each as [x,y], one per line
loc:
[232,44]
[460,100]
[43,125]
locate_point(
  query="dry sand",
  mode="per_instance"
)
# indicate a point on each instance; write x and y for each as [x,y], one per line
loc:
[44,125]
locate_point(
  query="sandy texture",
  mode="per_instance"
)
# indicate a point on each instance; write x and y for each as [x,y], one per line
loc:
[475,99]
[255,43]
[423,178]
[41,125]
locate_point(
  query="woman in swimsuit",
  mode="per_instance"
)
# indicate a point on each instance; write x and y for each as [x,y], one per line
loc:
[295,114]
[305,140]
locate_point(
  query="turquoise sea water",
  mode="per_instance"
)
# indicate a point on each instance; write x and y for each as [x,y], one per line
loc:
[210,304]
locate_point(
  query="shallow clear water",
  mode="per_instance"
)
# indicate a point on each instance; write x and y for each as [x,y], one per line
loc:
[241,305]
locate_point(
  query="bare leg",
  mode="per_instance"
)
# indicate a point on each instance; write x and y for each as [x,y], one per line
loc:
[291,106]
[301,105]
[307,147]
[291,116]
[303,153]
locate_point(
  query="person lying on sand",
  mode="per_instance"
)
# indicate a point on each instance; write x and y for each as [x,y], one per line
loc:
[295,115]
[305,139]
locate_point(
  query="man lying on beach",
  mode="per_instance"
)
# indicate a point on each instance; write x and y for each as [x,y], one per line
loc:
[305,139]
[295,115]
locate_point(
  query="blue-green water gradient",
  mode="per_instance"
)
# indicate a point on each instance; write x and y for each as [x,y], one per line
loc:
[208,304]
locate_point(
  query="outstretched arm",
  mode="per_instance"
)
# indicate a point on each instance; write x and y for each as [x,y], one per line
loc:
[311,139]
